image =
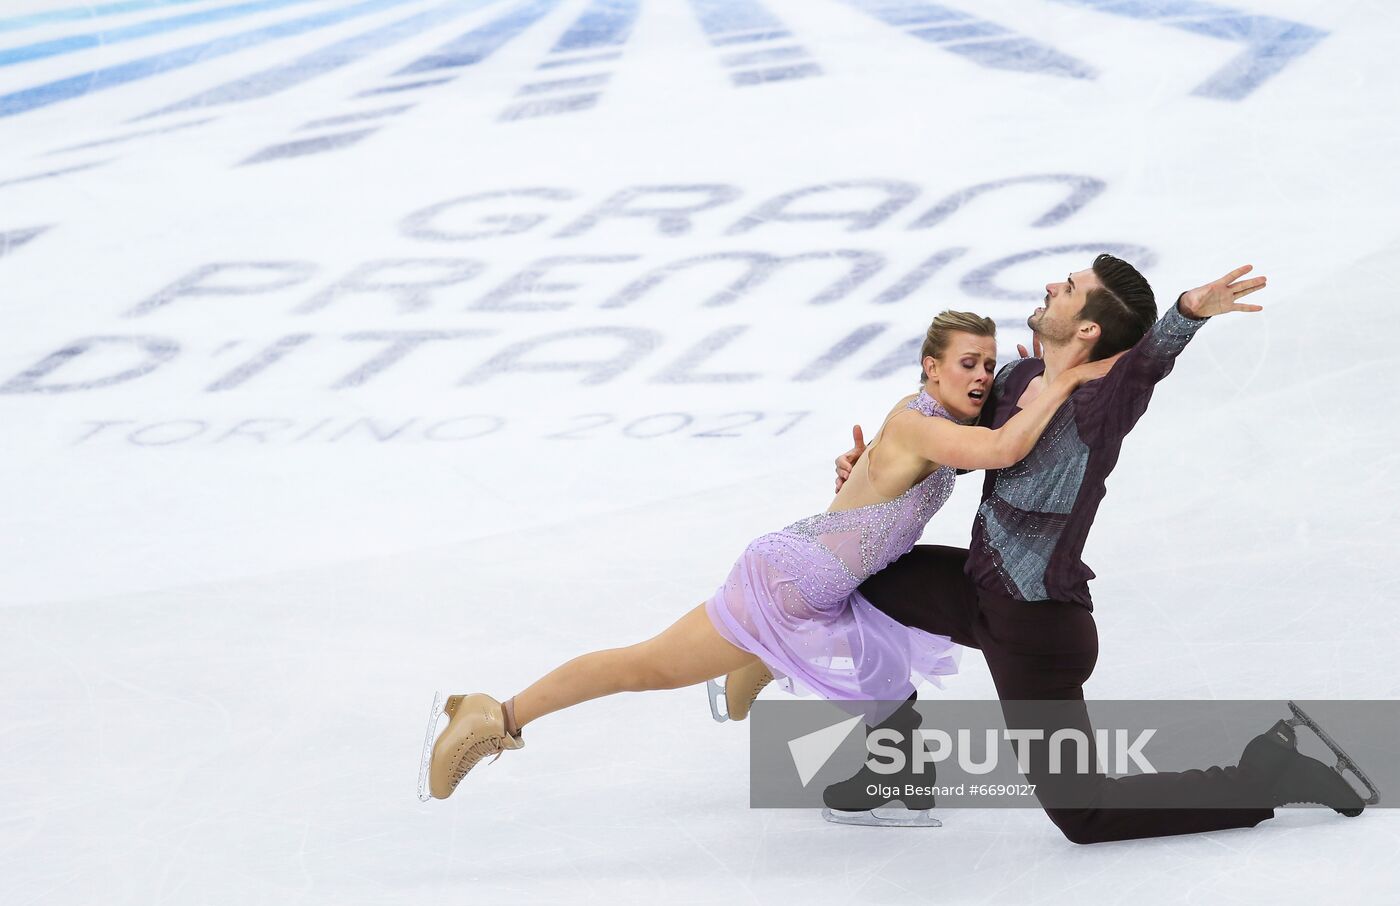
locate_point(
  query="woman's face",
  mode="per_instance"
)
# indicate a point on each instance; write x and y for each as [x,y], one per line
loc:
[962,377]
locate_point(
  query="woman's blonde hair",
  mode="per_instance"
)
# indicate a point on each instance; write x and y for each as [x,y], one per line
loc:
[941,330]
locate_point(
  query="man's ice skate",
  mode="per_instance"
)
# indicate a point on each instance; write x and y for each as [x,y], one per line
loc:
[865,797]
[740,690]
[861,799]
[1289,777]
[476,728]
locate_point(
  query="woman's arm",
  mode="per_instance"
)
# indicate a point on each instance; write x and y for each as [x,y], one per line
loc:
[968,447]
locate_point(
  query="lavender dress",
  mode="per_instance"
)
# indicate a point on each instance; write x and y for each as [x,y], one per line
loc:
[792,600]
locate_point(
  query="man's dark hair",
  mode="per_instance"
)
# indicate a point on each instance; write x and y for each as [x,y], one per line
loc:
[1124,307]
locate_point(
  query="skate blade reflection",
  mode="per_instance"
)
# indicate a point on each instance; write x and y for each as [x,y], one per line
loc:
[885,816]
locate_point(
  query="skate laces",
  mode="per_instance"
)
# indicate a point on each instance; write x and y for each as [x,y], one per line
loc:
[471,757]
[473,754]
[759,687]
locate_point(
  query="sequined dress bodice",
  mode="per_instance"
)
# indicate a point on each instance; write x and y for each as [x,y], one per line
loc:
[792,600]
[864,540]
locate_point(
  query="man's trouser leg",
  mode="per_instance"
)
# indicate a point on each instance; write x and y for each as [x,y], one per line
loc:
[1040,654]
[1045,651]
[928,588]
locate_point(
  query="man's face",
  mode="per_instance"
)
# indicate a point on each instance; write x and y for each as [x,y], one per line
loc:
[1057,320]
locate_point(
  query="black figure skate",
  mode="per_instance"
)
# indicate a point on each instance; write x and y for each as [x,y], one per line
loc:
[1272,760]
[865,797]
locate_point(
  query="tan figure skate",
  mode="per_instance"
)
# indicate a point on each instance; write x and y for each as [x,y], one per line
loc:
[741,688]
[476,728]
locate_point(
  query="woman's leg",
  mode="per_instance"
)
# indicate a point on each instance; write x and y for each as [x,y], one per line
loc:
[690,651]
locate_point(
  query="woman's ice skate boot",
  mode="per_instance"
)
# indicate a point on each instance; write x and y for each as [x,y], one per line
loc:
[740,690]
[476,728]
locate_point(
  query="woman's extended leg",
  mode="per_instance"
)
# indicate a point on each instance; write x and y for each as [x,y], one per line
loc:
[689,651]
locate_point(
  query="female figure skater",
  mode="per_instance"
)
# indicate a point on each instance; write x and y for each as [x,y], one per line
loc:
[790,602]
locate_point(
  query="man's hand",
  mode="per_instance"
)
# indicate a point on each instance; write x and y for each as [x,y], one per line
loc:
[1035,347]
[847,461]
[1223,295]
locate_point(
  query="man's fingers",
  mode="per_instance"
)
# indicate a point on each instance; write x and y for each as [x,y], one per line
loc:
[1245,306]
[1236,273]
[1248,284]
[858,436]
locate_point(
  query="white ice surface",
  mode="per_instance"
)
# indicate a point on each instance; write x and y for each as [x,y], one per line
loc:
[217,653]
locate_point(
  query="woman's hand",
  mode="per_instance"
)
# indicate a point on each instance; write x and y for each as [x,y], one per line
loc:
[1091,371]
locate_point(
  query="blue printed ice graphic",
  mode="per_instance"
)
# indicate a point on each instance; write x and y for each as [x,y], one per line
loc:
[759,40]
[327,59]
[722,18]
[755,45]
[605,23]
[156,27]
[595,38]
[984,43]
[161,63]
[13,239]
[82,13]
[479,43]
[1270,43]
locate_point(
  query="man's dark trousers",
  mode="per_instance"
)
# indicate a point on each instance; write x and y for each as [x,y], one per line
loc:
[1044,651]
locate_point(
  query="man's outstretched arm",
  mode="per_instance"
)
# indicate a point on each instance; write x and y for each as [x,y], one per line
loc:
[1123,395]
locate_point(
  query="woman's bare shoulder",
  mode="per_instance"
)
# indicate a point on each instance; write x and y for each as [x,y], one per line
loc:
[903,403]
[895,429]
[903,463]
[901,406]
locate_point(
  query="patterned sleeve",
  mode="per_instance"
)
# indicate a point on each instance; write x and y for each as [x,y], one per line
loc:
[1120,399]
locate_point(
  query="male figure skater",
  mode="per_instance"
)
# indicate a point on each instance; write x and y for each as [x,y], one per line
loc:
[1021,593]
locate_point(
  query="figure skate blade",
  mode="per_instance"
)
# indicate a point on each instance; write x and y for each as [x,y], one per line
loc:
[1344,761]
[434,717]
[716,693]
